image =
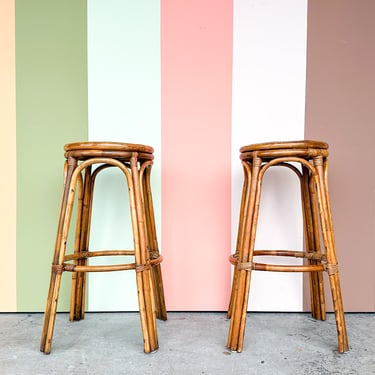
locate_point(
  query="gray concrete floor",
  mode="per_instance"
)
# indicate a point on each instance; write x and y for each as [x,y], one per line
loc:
[190,343]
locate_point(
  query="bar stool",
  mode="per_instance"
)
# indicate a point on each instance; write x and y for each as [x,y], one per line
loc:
[83,163]
[312,159]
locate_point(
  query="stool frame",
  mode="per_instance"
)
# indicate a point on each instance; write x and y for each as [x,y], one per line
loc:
[313,176]
[135,161]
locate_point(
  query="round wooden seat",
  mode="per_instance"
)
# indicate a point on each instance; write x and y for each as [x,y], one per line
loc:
[309,161]
[84,161]
[284,145]
[304,149]
[117,150]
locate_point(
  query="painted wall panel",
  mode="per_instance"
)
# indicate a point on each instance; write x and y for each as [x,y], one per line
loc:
[8,157]
[51,102]
[269,67]
[196,79]
[340,97]
[124,106]
[160,73]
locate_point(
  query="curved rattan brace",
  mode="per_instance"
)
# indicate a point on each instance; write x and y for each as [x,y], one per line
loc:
[157,260]
[314,255]
[290,166]
[288,268]
[249,266]
[311,255]
[281,162]
[284,253]
[116,267]
[90,254]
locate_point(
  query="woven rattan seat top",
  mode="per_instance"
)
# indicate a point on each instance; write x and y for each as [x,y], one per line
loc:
[115,150]
[108,146]
[285,146]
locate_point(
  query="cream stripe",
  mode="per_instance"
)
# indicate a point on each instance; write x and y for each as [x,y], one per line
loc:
[8,158]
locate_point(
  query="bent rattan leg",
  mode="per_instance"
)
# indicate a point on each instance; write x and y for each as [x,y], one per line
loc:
[319,298]
[343,345]
[241,231]
[240,302]
[77,305]
[152,246]
[144,281]
[146,310]
[312,244]
[50,312]
[332,268]
[158,292]
[56,271]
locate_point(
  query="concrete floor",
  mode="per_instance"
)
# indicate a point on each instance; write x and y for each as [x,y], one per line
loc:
[190,343]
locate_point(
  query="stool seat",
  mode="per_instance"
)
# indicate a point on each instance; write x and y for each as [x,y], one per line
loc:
[118,150]
[285,145]
[84,161]
[308,160]
[304,149]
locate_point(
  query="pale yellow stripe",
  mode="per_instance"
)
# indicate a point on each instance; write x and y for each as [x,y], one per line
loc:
[7,158]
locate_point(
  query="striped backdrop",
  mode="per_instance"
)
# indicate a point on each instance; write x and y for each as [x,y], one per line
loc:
[196,80]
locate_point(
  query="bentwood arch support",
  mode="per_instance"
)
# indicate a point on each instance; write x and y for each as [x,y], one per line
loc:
[83,163]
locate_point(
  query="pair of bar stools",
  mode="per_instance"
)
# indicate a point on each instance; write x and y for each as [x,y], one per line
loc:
[85,160]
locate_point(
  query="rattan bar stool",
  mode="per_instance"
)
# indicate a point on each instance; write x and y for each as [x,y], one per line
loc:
[83,163]
[309,160]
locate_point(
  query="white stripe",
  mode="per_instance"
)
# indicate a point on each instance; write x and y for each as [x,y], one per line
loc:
[124,106]
[269,69]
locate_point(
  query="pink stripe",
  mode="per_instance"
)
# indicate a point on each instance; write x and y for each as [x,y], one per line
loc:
[196,87]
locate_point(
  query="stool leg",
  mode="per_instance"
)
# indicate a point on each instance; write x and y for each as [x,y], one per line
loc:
[312,240]
[143,272]
[319,299]
[60,246]
[240,302]
[328,237]
[77,303]
[152,245]
[50,312]
[240,234]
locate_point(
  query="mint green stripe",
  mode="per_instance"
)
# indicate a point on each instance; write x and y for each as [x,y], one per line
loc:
[124,105]
[51,84]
